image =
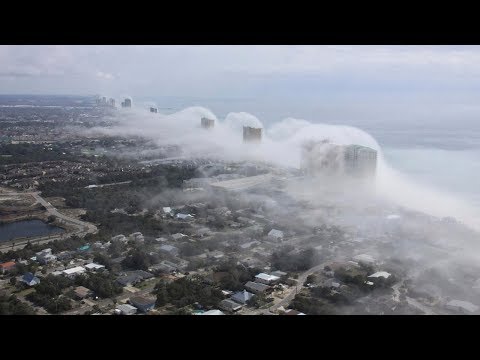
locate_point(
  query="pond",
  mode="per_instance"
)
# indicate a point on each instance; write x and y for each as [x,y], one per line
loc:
[27,228]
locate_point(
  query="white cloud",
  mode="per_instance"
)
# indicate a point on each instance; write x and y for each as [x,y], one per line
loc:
[104,75]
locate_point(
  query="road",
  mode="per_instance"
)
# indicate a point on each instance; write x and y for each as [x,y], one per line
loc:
[293,291]
[83,228]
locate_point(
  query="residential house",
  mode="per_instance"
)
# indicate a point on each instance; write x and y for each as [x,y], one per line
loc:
[142,303]
[169,249]
[121,238]
[30,279]
[364,258]
[82,292]
[266,279]
[95,267]
[7,266]
[45,256]
[229,305]
[125,309]
[242,297]
[181,216]
[279,273]
[133,277]
[257,288]
[293,312]
[211,312]
[137,237]
[72,272]
[275,234]
[178,236]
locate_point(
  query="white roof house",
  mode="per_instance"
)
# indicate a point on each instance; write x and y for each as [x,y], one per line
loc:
[93,266]
[184,216]
[364,258]
[167,210]
[212,312]
[276,234]
[265,278]
[463,306]
[383,274]
[74,271]
[178,236]
[126,309]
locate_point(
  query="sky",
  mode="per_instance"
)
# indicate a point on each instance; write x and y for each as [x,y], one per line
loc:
[342,72]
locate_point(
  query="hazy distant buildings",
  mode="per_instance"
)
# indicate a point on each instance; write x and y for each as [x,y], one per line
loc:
[252,135]
[127,103]
[104,100]
[207,123]
[153,110]
[323,157]
[360,160]
[111,102]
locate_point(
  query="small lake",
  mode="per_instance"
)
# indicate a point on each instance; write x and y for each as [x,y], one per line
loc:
[27,228]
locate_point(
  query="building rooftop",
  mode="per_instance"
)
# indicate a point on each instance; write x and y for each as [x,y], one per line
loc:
[74,270]
[383,274]
[242,297]
[212,312]
[266,277]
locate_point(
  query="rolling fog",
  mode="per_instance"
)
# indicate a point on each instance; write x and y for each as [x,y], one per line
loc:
[401,219]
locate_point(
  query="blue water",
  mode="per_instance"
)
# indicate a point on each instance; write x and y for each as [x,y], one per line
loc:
[27,228]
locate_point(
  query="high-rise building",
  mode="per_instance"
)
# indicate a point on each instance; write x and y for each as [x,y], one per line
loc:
[323,157]
[207,123]
[153,110]
[360,160]
[104,100]
[111,102]
[251,134]
[127,103]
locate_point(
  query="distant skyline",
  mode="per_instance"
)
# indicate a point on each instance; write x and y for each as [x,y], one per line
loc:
[354,72]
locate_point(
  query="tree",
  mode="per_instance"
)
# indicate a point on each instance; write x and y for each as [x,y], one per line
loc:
[13,280]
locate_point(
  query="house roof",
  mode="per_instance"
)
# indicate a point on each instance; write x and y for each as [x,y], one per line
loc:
[94,266]
[74,270]
[212,312]
[266,277]
[275,233]
[254,286]
[126,308]
[242,296]
[29,277]
[142,301]
[364,257]
[7,264]
[82,291]
[383,274]
[230,305]
[168,248]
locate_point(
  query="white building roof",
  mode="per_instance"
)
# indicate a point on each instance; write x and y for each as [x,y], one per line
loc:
[94,266]
[74,270]
[167,209]
[383,274]
[212,312]
[275,233]
[365,258]
[267,277]
[463,305]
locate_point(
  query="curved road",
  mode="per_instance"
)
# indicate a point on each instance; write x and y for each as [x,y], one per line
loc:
[293,291]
